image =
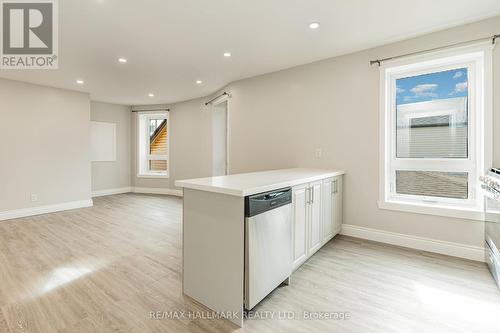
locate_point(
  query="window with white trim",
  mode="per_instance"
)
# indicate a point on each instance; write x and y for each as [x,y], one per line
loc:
[153,144]
[433,132]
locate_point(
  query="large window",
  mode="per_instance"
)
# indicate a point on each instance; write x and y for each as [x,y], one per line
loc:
[153,133]
[434,136]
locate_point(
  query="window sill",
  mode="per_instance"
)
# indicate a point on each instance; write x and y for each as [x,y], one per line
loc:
[437,210]
[152,175]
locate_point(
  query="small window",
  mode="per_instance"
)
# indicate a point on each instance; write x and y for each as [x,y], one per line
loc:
[434,136]
[153,144]
[433,184]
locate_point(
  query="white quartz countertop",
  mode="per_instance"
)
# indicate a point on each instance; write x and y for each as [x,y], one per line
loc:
[245,184]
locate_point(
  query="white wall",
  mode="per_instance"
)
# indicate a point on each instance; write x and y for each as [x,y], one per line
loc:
[279,119]
[44,145]
[116,174]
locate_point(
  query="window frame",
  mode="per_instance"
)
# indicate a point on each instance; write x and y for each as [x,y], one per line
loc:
[478,61]
[143,145]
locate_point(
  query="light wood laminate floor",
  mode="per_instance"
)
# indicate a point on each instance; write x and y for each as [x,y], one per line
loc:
[106,268]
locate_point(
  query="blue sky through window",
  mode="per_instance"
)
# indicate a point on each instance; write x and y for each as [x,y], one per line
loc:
[427,87]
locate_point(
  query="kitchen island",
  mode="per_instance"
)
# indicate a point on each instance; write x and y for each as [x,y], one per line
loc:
[214,228]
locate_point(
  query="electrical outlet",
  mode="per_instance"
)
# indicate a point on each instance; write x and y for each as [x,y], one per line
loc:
[34,197]
[318,152]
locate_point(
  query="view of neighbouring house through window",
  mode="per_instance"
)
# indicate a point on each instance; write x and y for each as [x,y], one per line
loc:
[432,123]
[158,143]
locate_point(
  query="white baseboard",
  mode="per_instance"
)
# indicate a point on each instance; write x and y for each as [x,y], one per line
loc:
[153,190]
[112,191]
[414,242]
[143,190]
[25,212]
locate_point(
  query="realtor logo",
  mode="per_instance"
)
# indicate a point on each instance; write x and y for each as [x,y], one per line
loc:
[29,34]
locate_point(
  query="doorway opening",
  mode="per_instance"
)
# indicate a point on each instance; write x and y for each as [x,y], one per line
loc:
[220,139]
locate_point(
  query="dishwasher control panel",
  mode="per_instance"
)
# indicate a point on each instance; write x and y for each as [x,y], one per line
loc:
[262,202]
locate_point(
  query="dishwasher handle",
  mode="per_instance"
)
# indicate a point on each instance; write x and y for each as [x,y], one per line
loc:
[263,202]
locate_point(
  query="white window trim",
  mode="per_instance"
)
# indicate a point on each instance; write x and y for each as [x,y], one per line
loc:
[143,158]
[481,56]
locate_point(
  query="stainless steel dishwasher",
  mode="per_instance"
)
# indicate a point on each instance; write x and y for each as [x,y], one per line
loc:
[268,243]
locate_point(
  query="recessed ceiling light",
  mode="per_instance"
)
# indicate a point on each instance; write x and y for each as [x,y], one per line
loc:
[80,81]
[151,95]
[199,81]
[314,25]
[122,60]
[227,54]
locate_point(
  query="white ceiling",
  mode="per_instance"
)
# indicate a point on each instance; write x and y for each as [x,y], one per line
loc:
[171,44]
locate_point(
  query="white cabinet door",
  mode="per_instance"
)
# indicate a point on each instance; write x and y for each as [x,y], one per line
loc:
[300,225]
[315,239]
[317,216]
[337,205]
[328,219]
